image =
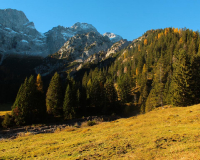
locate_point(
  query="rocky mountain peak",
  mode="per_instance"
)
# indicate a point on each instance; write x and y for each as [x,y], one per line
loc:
[82,46]
[113,37]
[12,18]
[83,27]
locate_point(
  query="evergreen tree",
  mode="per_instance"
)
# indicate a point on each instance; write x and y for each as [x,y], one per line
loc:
[155,98]
[111,97]
[54,96]
[68,108]
[97,98]
[183,81]
[23,109]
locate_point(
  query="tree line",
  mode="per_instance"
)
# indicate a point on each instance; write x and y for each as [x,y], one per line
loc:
[161,68]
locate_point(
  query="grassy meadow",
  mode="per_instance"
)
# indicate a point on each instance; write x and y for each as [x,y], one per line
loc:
[170,133]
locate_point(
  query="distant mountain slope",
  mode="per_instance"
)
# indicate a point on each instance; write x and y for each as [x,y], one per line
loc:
[170,133]
[85,48]
[161,67]
[113,37]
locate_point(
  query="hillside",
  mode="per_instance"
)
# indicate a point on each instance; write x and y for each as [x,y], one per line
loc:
[169,133]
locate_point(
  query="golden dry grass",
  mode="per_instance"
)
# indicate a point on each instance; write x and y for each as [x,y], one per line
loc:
[170,133]
[5,108]
[3,113]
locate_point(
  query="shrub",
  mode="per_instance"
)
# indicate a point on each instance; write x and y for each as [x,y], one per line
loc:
[91,123]
[6,122]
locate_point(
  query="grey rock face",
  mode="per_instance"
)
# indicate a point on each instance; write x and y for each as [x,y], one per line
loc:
[80,28]
[18,35]
[81,46]
[117,47]
[13,19]
[57,36]
[113,37]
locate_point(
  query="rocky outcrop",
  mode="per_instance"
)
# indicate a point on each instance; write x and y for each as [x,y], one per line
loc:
[81,46]
[56,37]
[19,36]
[117,47]
[113,37]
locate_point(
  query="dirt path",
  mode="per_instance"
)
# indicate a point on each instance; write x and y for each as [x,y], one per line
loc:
[12,133]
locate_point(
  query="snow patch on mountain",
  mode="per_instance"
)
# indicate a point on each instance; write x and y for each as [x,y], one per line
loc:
[113,37]
[83,27]
[24,41]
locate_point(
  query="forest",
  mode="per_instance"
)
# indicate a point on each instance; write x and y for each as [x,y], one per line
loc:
[161,68]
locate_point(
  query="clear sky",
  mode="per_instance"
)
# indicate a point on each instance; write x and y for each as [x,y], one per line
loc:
[128,18]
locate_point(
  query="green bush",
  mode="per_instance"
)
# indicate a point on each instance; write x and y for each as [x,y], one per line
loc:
[6,122]
[91,123]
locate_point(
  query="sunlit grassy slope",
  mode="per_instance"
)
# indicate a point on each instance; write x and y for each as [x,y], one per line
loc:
[5,108]
[171,133]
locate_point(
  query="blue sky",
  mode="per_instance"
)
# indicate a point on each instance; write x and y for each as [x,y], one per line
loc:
[128,18]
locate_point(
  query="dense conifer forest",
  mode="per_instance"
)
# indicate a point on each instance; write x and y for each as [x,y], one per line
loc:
[160,68]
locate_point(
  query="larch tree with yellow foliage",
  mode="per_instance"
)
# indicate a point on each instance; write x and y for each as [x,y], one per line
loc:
[139,49]
[176,30]
[159,35]
[39,83]
[40,102]
[145,42]
[195,35]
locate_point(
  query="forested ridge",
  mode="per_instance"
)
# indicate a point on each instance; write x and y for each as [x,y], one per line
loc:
[160,68]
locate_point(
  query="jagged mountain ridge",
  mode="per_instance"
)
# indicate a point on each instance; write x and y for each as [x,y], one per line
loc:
[113,37]
[84,45]
[18,35]
[78,50]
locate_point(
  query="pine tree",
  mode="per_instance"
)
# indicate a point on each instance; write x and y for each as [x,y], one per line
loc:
[54,96]
[97,95]
[155,98]
[183,80]
[143,89]
[68,108]
[111,97]
[23,109]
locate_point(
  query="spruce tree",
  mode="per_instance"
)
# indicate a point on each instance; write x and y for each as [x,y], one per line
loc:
[111,97]
[54,96]
[68,108]
[23,108]
[155,97]
[183,81]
